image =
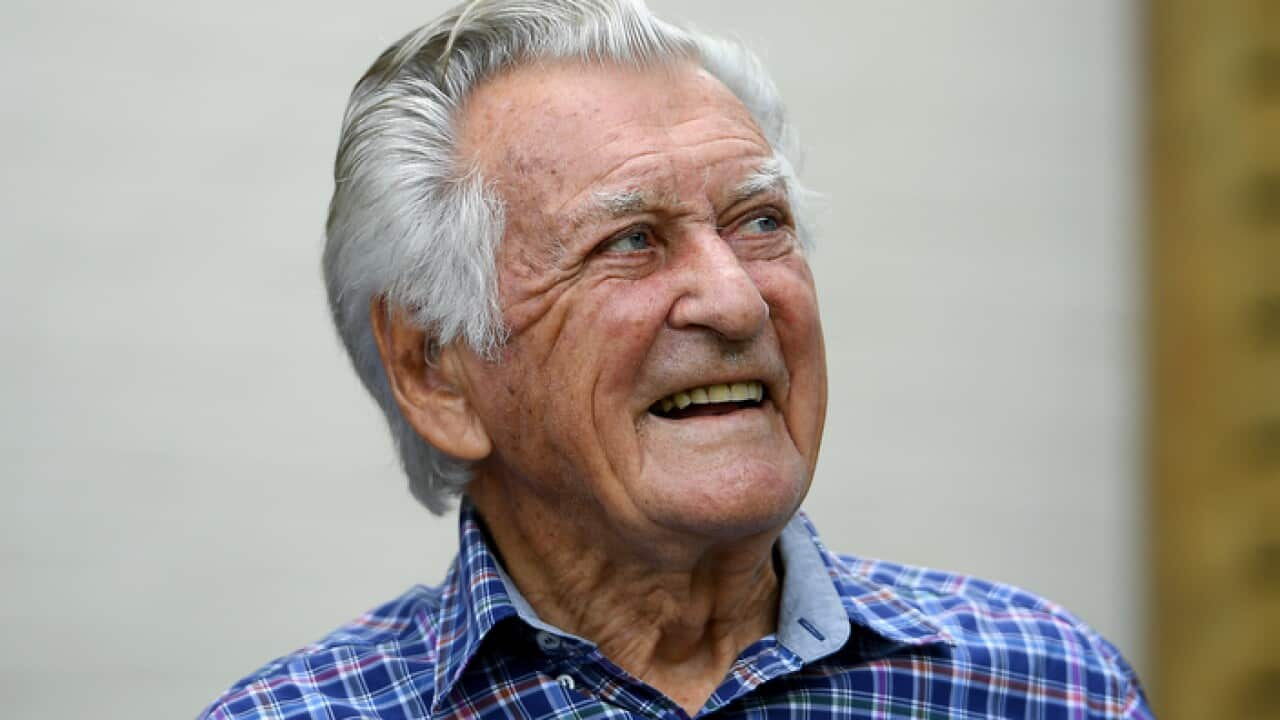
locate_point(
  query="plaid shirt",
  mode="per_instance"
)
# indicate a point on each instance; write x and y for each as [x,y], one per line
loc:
[856,639]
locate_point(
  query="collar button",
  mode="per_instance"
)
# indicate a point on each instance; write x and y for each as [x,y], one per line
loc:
[547,642]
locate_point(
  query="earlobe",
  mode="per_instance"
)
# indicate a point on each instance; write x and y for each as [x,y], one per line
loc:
[428,384]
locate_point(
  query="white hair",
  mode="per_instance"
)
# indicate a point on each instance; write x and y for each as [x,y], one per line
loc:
[412,222]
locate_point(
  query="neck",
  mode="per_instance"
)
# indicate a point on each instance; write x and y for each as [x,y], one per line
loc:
[674,612]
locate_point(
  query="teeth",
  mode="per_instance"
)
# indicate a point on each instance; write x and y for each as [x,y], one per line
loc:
[737,392]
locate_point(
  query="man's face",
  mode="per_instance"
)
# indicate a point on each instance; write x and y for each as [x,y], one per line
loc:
[645,265]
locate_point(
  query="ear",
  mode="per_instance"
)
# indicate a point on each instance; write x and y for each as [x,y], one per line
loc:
[429,390]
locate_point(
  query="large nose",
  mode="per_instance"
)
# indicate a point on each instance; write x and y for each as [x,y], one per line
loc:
[716,292]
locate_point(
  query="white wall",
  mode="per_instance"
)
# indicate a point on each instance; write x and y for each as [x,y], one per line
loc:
[195,482]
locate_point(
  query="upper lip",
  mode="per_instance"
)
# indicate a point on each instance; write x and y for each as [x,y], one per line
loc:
[694,365]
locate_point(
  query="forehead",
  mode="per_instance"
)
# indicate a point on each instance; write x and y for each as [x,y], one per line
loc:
[552,136]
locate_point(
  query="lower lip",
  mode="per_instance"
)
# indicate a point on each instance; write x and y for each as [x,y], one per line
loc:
[737,415]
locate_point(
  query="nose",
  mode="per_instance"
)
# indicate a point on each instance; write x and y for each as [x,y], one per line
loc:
[716,292]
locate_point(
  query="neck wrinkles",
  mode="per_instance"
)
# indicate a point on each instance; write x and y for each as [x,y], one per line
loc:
[655,612]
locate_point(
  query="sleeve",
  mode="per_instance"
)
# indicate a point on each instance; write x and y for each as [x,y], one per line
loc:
[1135,706]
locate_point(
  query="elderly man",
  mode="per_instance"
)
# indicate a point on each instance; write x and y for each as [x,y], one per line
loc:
[566,255]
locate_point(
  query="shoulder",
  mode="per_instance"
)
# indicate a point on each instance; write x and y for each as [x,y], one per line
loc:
[1011,634]
[384,659]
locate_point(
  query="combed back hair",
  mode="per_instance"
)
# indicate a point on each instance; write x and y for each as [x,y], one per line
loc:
[413,223]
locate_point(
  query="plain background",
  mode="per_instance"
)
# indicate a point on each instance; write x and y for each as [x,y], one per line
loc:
[195,482]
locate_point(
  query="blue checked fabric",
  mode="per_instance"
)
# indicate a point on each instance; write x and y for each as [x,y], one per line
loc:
[856,639]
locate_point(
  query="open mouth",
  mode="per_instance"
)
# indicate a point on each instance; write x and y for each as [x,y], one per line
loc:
[710,400]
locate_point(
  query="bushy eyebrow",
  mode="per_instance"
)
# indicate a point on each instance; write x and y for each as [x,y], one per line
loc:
[618,202]
[769,176]
[609,205]
[612,204]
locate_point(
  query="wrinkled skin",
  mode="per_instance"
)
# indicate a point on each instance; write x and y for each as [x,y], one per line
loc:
[649,535]
[600,332]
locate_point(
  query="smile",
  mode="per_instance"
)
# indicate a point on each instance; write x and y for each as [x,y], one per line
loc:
[710,400]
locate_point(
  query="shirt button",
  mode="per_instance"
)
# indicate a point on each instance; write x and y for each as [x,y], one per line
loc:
[548,642]
[566,682]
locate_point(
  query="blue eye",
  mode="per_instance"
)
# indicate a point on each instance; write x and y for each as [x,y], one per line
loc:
[763,224]
[630,242]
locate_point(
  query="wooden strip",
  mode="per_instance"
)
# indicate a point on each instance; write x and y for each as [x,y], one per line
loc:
[1214,361]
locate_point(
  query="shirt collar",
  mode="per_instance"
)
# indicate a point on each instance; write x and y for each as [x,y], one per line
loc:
[821,596]
[473,600]
[820,586]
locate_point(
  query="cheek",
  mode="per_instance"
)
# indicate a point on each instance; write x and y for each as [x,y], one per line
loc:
[787,286]
[793,312]
[585,355]
[622,327]
[580,390]
[509,405]
[533,411]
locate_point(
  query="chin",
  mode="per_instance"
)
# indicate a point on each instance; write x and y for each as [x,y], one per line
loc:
[728,503]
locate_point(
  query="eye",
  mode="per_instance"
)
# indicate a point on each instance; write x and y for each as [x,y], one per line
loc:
[630,241]
[762,225]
